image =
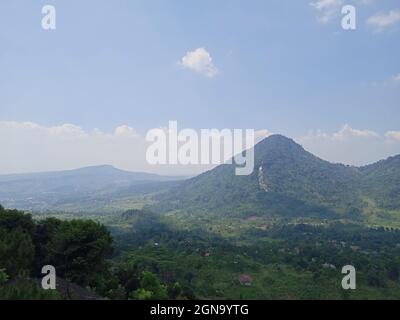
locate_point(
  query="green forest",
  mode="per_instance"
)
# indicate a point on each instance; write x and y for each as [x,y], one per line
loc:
[143,255]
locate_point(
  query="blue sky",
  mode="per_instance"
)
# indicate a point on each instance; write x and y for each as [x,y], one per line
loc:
[280,67]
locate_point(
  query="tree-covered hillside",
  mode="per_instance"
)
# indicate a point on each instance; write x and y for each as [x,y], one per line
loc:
[288,181]
[381,183]
[80,251]
[77,249]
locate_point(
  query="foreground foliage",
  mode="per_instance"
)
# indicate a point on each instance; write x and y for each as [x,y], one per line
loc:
[157,257]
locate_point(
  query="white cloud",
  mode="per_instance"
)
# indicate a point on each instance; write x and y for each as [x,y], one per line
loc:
[395,135]
[28,147]
[381,21]
[64,131]
[126,131]
[67,130]
[200,61]
[326,9]
[348,131]
[352,146]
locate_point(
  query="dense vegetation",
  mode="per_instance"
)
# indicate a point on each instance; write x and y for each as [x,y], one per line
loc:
[284,232]
[291,182]
[76,248]
[286,261]
[155,257]
[80,250]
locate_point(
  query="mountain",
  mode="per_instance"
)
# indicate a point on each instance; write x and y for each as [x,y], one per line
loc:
[288,181]
[55,190]
[381,183]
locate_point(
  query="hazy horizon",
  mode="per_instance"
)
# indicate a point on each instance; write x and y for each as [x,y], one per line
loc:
[170,168]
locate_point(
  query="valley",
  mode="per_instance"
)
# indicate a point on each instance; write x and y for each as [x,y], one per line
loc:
[284,232]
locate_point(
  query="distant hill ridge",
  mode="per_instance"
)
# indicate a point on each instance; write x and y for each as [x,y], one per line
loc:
[102,170]
[76,190]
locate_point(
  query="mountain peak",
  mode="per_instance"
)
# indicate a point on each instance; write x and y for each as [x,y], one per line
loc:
[278,144]
[99,167]
[279,138]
